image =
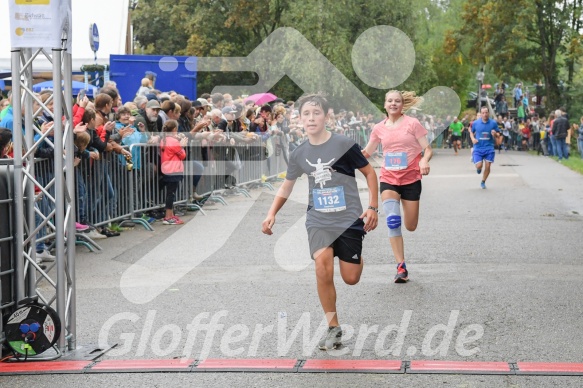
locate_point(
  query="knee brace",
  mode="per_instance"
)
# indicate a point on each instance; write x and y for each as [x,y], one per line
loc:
[392,209]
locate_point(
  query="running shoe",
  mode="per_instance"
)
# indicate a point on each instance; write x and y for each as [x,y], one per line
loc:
[80,227]
[402,275]
[108,232]
[479,171]
[332,339]
[45,256]
[172,221]
[95,235]
[483,185]
[178,220]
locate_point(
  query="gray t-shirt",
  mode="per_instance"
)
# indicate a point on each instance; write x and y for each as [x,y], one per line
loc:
[334,203]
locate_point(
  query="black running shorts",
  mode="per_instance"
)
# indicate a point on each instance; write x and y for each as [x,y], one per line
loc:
[347,246]
[410,192]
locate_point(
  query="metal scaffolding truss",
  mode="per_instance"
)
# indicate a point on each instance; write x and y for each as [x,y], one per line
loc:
[54,286]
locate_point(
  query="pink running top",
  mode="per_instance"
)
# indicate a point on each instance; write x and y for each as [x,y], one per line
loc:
[400,140]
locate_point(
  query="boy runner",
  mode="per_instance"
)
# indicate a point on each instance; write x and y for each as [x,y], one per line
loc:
[335,221]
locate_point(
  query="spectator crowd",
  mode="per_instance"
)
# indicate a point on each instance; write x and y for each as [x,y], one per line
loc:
[156,134]
[153,137]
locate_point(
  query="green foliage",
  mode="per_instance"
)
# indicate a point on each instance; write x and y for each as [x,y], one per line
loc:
[521,38]
[574,162]
[213,28]
[160,28]
[93,68]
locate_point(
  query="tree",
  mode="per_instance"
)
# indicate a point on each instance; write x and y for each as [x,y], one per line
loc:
[159,26]
[207,28]
[521,37]
[452,68]
[234,28]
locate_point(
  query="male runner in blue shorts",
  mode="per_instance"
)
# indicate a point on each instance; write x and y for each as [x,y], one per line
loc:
[484,130]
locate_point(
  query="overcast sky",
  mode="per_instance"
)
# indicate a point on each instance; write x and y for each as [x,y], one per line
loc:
[110,17]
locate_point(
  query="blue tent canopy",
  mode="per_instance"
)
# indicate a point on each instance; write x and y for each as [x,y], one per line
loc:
[77,87]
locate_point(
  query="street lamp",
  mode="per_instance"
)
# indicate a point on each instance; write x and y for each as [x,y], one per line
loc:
[132,5]
[480,79]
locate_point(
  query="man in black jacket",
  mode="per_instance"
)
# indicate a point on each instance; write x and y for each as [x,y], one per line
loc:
[150,117]
[560,130]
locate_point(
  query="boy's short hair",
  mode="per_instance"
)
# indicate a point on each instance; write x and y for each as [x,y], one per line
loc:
[88,115]
[121,110]
[82,140]
[314,99]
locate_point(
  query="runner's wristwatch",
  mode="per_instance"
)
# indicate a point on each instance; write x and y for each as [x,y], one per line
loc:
[373,208]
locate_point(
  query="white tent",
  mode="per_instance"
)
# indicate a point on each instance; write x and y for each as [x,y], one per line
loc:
[111,17]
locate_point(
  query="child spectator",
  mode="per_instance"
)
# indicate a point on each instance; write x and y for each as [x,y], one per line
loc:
[130,135]
[145,87]
[520,113]
[88,188]
[525,131]
[172,155]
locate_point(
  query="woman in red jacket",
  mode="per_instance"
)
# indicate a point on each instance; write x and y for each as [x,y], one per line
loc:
[172,154]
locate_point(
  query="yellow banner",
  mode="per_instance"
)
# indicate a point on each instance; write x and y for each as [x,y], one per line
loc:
[33,2]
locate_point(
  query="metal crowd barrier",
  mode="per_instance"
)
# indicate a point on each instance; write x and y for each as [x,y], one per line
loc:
[109,191]
[6,243]
[359,133]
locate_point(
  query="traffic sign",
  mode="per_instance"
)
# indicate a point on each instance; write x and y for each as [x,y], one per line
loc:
[93,37]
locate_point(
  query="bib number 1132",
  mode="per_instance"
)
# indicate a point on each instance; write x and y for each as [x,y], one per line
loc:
[329,200]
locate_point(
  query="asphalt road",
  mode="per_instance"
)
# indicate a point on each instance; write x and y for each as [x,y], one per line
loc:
[495,276]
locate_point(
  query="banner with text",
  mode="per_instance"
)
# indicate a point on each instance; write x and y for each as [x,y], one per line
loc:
[40,23]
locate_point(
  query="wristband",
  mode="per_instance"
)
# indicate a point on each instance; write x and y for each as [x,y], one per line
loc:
[373,208]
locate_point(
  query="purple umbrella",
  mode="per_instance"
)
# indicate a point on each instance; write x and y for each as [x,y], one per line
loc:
[261,98]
